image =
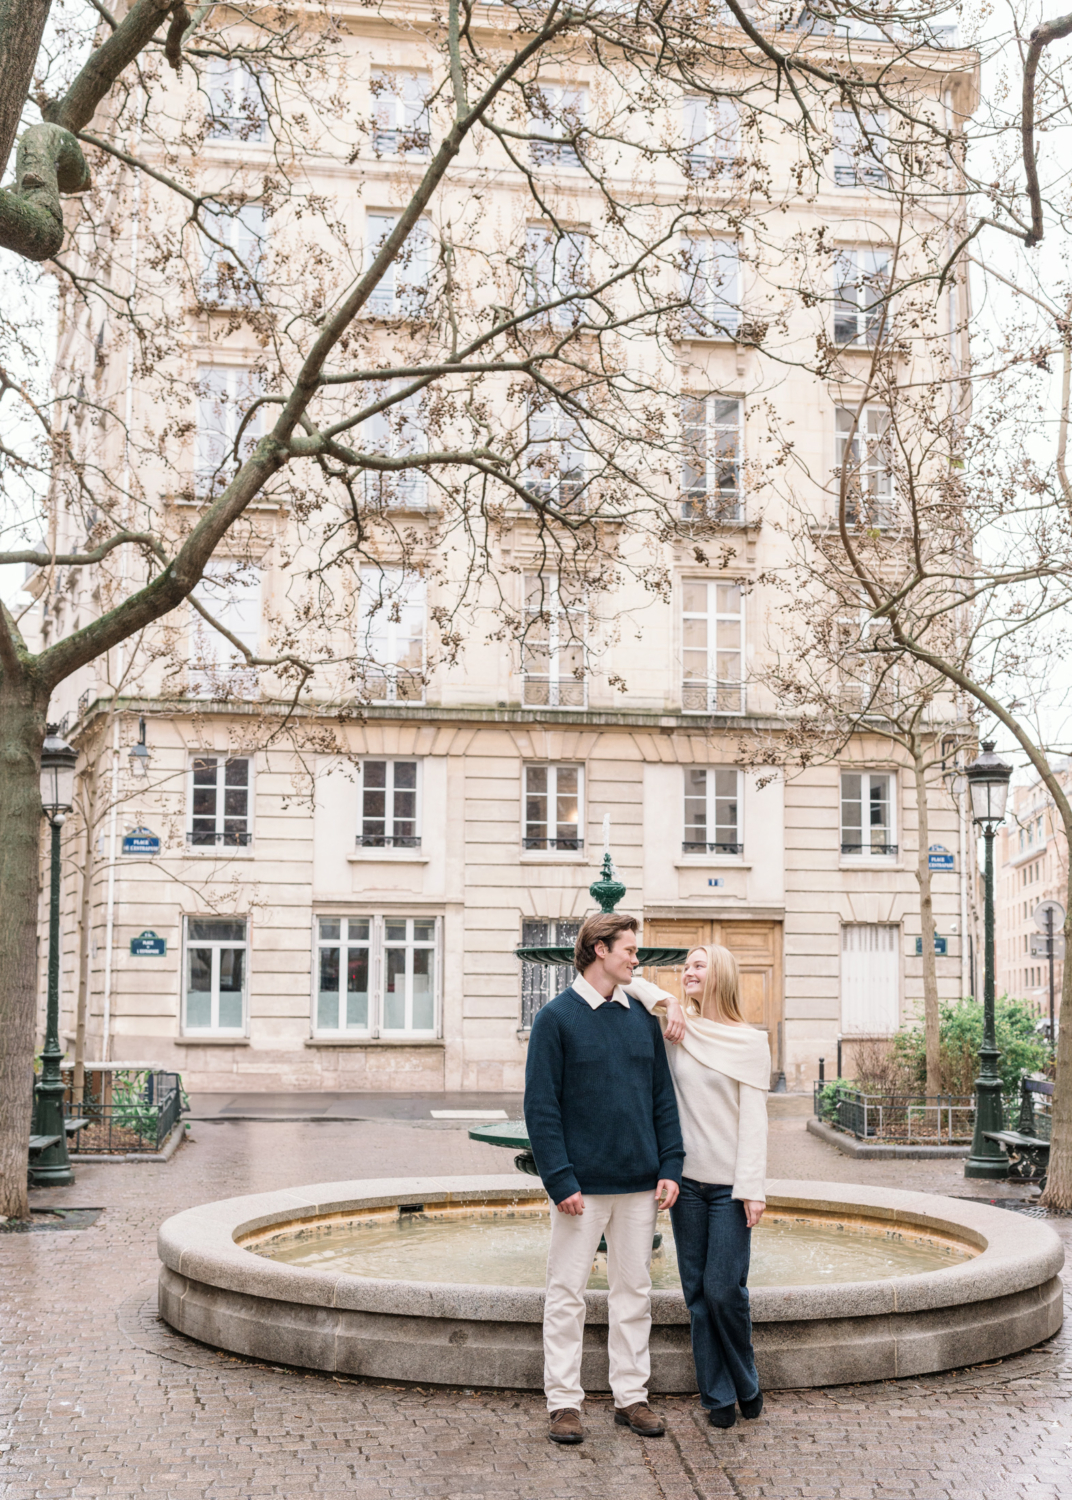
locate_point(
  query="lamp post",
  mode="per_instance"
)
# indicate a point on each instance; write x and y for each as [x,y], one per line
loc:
[988,787]
[53,1166]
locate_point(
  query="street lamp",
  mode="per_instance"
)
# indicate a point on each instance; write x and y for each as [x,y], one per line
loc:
[139,754]
[988,787]
[52,1167]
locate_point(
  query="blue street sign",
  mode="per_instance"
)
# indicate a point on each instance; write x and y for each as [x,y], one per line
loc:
[941,946]
[148,945]
[141,841]
[939,858]
[717,882]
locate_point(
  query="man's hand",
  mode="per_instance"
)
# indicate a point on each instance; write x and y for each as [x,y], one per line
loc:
[675,1021]
[753,1211]
[665,1193]
[574,1204]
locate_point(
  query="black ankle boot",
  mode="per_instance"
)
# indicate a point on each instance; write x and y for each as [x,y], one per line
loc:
[751,1409]
[722,1416]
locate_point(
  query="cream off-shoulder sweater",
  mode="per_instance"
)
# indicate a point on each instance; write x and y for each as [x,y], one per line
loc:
[721,1077]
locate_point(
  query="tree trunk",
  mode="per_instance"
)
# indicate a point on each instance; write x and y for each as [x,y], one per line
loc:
[22,25]
[1058,1192]
[926,920]
[22,731]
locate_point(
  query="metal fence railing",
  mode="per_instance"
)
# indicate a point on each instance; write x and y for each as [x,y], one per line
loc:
[928,1119]
[125,1111]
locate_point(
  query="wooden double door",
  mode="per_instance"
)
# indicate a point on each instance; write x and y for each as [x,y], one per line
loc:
[757,947]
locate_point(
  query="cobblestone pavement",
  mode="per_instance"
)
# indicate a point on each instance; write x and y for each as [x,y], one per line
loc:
[100,1401]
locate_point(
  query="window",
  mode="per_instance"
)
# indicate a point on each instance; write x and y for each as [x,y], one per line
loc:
[552,656]
[712,811]
[712,134]
[392,634]
[215,975]
[556,457]
[861,281]
[556,114]
[553,807]
[233,247]
[859,148]
[712,647]
[219,801]
[867,814]
[710,275]
[235,106]
[402,289]
[711,428]
[377,976]
[556,267]
[231,593]
[870,979]
[224,395]
[389,813]
[539,983]
[399,431]
[400,125]
[864,454]
[343,967]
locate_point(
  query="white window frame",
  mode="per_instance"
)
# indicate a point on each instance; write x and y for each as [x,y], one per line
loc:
[866,853]
[562,689]
[218,845]
[556,457]
[871,498]
[727,849]
[720,696]
[885,937]
[530,843]
[401,125]
[394,589]
[556,268]
[215,944]
[391,840]
[399,431]
[403,287]
[710,287]
[712,433]
[712,131]
[539,982]
[559,98]
[231,590]
[860,272]
[224,395]
[243,238]
[378,944]
[858,159]
[233,87]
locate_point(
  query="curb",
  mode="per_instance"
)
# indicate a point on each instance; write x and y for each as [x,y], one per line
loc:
[861,1151]
[166,1152]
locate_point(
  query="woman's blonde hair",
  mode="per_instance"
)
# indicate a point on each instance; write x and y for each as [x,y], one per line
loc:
[721,998]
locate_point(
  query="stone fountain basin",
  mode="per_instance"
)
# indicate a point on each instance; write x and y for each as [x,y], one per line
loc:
[1007,1297]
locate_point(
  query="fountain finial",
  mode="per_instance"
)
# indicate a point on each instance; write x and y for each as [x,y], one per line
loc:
[608,890]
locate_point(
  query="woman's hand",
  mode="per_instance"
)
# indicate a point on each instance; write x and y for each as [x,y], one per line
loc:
[675,1021]
[753,1211]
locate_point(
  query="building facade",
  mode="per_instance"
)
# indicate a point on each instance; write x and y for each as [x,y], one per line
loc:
[1031,860]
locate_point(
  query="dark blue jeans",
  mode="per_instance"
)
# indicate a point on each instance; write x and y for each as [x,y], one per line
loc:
[713,1246]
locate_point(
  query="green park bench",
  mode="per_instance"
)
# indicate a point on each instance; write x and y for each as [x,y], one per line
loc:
[42,1142]
[1028,1146]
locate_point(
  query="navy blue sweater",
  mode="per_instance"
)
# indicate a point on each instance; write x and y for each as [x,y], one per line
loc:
[599,1099]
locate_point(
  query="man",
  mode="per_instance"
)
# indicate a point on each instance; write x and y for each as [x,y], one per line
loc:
[602,1121]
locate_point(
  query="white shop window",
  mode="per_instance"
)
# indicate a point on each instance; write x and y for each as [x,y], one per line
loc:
[553,808]
[712,647]
[214,992]
[400,123]
[377,976]
[870,979]
[712,810]
[220,802]
[867,815]
[389,816]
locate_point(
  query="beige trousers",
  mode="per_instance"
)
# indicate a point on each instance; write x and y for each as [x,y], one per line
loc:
[628,1221]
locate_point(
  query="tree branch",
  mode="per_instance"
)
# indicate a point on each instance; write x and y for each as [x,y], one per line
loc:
[1042,36]
[35,558]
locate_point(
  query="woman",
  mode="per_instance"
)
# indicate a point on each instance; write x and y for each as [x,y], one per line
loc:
[721,1069]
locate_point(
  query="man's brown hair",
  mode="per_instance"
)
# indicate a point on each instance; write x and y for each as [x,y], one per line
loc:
[604,928]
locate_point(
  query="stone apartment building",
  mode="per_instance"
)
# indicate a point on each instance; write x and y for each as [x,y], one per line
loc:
[1031,865]
[264,917]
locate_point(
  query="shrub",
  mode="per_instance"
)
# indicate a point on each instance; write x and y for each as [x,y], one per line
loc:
[960,1032]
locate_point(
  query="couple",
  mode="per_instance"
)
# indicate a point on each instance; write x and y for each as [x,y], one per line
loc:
[621,1126]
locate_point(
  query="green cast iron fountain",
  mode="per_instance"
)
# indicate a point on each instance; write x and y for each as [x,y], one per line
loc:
[606,892]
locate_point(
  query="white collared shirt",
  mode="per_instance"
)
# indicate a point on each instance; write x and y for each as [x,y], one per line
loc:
[594,998]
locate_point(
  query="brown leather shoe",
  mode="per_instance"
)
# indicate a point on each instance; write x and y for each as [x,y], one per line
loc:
[566,1426]
[640,1418]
